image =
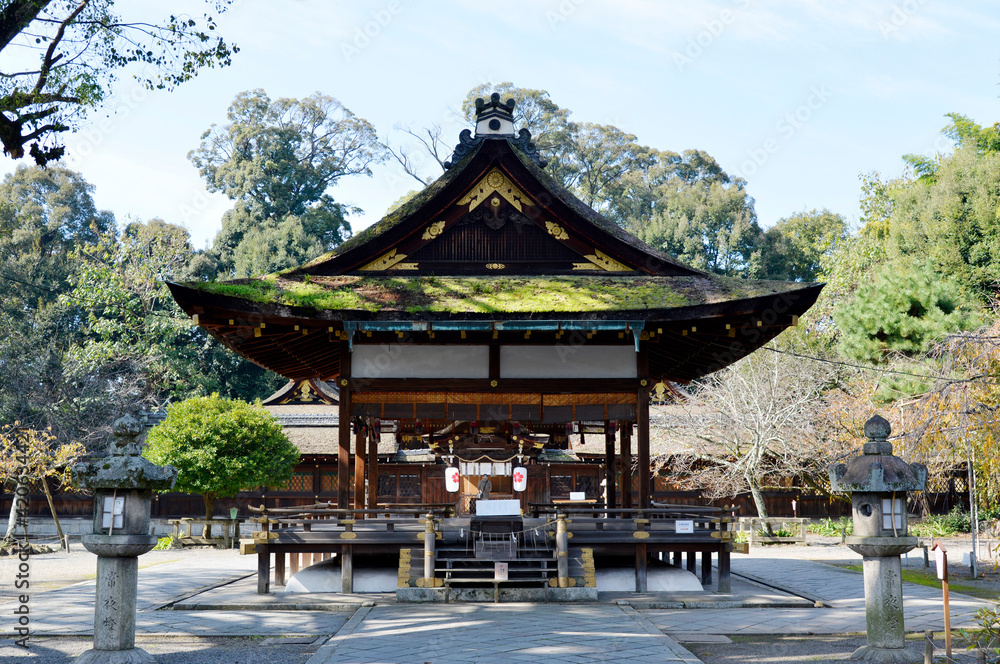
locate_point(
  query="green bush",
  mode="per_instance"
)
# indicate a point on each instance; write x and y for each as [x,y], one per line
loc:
[954,522]
[830,528]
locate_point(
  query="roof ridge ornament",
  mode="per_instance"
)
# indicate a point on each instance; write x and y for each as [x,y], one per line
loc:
[494,120]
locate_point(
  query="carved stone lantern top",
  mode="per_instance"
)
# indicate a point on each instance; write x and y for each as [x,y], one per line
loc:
[877,470]
[124,468]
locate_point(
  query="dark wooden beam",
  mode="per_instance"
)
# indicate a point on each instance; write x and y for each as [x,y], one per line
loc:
[343,452]
[373,441]
[626,464]
[642,424]
[610,478]
[553,385]
[360,455]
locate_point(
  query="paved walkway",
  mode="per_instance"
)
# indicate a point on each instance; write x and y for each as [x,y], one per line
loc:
[509,633]
[367,629]
[70,610]
[840,590]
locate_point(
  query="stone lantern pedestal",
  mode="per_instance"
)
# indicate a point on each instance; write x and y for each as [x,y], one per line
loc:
[123,485]
[878,482]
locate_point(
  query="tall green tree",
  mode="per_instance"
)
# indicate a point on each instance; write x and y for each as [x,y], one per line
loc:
[278,159]
[795,247]
[221,447]
[136,331]
[64,57]
[907,307]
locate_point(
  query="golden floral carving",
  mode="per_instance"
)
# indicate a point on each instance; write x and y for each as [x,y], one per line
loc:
[433,231]
[495,182]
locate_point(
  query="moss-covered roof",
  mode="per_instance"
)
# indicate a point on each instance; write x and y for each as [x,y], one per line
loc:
[492,295]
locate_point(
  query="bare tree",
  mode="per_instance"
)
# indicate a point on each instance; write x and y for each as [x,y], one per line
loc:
[751,425]
[431,142]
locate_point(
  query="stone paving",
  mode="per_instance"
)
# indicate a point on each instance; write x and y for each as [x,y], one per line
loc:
[509,633]
[840,590]
[70,610]
[624,627]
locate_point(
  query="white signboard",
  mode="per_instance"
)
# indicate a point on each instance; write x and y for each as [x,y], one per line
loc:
[941,560]
[684,527]
[500,571]
[577,495]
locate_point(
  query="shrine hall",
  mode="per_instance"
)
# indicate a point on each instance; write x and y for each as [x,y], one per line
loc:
[484,323]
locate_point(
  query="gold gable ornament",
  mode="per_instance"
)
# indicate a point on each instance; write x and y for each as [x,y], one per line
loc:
[433,231]
[603,261]
[495,182]
[556,231]
[389,261]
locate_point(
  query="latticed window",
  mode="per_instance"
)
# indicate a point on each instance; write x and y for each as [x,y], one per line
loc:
[587,484]
[561,485]
[328,482]
[301,481]
[409,486]
[387,486]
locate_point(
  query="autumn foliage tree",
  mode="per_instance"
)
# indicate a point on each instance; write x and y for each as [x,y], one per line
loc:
[35,457]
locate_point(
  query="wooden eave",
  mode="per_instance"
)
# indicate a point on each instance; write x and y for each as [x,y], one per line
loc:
[683,342]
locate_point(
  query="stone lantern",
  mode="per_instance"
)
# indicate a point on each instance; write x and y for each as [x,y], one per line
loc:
[123,485]
[878,482]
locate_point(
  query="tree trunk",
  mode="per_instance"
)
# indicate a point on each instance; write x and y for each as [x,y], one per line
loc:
[12,519]
[758,501]
[52,508]
[209,510]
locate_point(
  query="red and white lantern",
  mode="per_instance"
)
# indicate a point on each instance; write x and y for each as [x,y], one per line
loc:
[520,476]
[451,478]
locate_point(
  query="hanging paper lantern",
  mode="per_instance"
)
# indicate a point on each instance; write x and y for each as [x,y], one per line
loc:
[451,478]
[520,476]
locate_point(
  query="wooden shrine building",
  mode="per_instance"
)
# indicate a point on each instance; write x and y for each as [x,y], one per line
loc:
[490,317]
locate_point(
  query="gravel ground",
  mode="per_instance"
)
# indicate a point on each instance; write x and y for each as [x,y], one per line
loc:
[181,650]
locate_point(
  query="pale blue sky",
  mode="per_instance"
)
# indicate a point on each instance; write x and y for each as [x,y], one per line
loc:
[797,96]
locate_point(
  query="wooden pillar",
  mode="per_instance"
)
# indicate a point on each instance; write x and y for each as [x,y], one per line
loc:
[373,440]
[360,455]
[343,451]
[346,569]
[642,422]
[725,580]
[609,464]
[706,568]
[640,568]
[279,568]
[263,569]
[691,561]
[626,464]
